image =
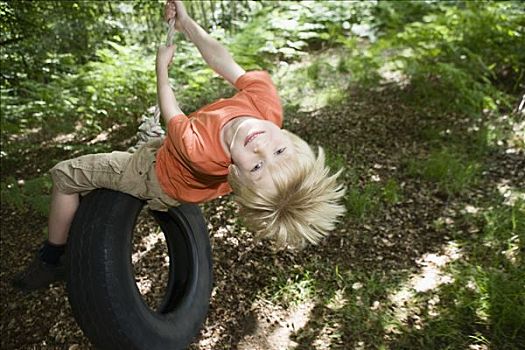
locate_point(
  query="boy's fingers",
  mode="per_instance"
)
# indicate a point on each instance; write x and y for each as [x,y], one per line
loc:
[170,10]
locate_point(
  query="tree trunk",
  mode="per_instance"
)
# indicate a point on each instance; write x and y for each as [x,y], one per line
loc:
[224,24]
[234,16]
[205,18]
[212,9]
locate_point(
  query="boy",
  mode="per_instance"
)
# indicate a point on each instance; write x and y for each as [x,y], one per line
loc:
[283,189]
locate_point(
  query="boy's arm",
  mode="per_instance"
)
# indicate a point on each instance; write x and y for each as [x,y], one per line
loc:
[213,52]
[168,104]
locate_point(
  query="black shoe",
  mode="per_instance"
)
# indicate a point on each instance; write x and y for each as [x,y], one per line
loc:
[39,275]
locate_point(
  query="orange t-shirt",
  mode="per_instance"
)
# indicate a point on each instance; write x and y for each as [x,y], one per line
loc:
[191,164]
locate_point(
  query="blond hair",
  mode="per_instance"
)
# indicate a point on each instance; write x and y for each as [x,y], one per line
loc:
[305,206]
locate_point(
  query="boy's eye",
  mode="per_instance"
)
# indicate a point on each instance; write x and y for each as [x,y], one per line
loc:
[280,151]
[257,167]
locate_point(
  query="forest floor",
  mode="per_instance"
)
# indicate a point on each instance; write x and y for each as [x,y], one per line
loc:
[335,295]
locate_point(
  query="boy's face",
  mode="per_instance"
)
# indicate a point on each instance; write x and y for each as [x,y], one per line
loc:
[256,145]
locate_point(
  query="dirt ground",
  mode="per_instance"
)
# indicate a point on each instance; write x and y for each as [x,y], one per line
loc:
[376,134]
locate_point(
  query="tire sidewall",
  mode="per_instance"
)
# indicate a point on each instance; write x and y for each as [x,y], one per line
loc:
[101,284]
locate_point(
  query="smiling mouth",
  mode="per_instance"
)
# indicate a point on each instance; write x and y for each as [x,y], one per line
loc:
[251,137]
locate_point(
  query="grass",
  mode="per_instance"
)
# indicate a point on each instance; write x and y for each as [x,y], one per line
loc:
[366,200]
[485,303]
[292,290]
[450,169]
[481,306]
[363,200]
[482,303]
[346,301]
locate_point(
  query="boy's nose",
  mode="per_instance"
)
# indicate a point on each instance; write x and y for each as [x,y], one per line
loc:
[259,144]
[258,148]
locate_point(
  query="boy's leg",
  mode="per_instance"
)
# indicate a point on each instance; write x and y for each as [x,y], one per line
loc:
[46,266]
[120,171]
[61,213]
[70,178]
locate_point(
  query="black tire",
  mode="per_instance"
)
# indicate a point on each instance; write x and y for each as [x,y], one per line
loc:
[100,281]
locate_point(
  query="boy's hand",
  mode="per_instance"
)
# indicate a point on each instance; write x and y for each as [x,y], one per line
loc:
[174,9]
[165,55]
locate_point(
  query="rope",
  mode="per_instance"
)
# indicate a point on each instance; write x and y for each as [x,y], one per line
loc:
[521,106]
[150,127]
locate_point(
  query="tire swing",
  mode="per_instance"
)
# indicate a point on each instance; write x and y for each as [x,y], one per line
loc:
[101,286]
[104,297]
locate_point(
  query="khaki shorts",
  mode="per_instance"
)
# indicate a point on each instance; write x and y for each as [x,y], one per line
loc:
[131,173]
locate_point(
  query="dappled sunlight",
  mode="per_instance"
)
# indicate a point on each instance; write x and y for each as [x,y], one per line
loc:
[411,99]
[63,138]
[470,209]
[144,284]
[391,73]
[25,134]
[221,225]
[478,347]
[513,251]
[506,131]
[431,275]
[516,140]
[274,325]
[208,342]
[147,243]
[511,195]
[326,336]
[314,82]
[297,319]
[105,134]
[338,301]
[150,262]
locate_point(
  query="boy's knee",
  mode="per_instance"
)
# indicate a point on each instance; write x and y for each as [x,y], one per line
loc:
[58,172]
[85,173]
